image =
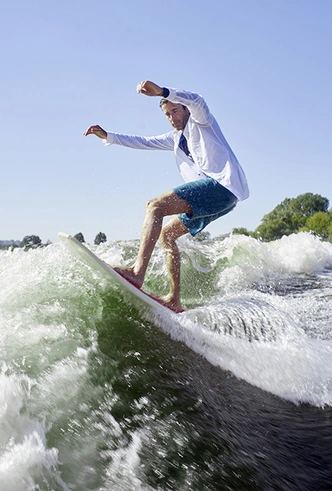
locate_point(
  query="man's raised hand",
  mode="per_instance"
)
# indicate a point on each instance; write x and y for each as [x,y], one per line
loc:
[96,130]
[149,88]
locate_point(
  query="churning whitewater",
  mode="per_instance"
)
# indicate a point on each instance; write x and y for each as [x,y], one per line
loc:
[97,392]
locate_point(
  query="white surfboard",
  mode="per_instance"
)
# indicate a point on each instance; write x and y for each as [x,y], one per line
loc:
[81,252]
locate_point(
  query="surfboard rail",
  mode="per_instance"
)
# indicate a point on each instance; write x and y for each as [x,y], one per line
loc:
[83,253]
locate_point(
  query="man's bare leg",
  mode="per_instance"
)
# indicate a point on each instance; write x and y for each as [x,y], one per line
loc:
[169,234]
[158,208]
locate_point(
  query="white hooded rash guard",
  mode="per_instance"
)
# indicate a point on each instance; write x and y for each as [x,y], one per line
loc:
[211,154]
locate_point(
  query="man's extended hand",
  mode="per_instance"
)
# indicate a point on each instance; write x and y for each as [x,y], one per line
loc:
[149,88]
[96,130]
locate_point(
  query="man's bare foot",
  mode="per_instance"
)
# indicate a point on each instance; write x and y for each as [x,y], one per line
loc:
[129,274]
[169,302]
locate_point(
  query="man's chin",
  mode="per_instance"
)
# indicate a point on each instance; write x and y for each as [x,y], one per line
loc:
[177,127]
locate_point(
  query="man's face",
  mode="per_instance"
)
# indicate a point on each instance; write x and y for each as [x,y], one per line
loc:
[176,114]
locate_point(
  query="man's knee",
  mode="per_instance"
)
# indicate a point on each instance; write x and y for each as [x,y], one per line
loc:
[160,205]
[153,205]
[171,232]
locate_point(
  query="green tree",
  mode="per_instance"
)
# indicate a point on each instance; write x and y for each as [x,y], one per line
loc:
[274,229]
[307,204]
[79,237]
[30,241]
[101,237]
[320,223]
[290,216]
[241,231]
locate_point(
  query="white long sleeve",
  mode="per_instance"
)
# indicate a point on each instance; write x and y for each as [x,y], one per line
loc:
[161,142]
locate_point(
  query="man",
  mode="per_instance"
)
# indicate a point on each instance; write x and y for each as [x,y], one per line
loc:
[214,180]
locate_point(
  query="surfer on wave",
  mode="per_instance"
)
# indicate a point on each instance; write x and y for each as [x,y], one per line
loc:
[214,180]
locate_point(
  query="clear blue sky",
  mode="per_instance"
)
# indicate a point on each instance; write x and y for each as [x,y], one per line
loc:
[263,66]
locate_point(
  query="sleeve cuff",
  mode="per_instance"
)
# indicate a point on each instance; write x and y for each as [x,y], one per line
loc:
[165,93]
[109,140]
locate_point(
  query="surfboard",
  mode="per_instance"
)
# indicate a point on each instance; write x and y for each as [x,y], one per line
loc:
[84,254]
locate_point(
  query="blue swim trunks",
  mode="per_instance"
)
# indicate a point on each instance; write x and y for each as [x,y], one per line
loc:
[208,199]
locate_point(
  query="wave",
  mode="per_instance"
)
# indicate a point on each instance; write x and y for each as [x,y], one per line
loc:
[259,310]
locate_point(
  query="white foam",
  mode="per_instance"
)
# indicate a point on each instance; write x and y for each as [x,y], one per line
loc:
[262,338]
[24,455]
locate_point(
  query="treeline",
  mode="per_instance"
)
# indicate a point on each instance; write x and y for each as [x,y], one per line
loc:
[306,213]
[34,241]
